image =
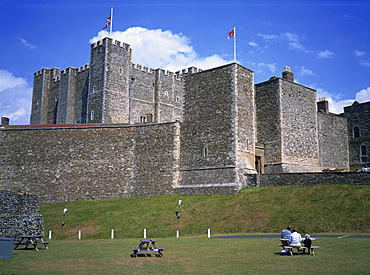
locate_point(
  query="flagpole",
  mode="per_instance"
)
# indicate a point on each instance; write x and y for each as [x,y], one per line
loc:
[111,21]
[235,44]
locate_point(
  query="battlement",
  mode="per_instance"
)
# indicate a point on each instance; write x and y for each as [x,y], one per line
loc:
[83,68]
[189,70]
[53,71]
[167,73]
[142,68]
[111,41]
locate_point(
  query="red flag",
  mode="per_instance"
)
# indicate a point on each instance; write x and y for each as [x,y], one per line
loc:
[231,34]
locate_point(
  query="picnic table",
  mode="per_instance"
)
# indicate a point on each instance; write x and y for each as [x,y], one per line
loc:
[285,245]
[147,245]
[28,240]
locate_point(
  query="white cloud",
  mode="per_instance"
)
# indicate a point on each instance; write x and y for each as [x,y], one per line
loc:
[304,71]
[363,95]
[27,45]
[253,44]
[8,80]
[16,96]
[291,38]
[365,63]
[336,104]
[162,49]
[324,54]
[359,53]
[260,67]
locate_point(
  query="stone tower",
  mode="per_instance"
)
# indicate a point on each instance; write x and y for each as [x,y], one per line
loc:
[287,125]
[358,117]
[218,129]
[110,80]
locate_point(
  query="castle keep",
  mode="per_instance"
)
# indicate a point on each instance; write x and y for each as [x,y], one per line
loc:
[112,129]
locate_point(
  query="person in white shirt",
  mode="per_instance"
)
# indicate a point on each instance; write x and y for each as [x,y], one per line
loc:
[295,239]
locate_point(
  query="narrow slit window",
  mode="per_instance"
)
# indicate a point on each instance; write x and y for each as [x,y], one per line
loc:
[363,154]
[205,151]
[356,132]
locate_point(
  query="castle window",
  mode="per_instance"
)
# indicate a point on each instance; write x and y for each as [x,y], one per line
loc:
[92,115]
[356,132]
[177,99]
[143,119]
[94,89]
[205,151]
[38,102]
[363,154]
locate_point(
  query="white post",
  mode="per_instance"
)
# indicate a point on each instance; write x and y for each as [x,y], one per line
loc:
[144,233]
[112,234]
[49,234]
[79,234]
[209,233]
[177,233]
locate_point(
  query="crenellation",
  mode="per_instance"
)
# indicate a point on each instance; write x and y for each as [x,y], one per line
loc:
[83,68]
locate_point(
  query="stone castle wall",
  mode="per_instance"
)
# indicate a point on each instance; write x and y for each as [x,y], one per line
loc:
[358,115]
[63,164]
[287,126]
[333,140]
[19,214]
[354,178]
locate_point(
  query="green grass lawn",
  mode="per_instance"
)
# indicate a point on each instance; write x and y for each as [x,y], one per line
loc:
[313,209]
[190,255]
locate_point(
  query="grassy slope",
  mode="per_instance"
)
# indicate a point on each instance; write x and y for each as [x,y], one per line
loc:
[313,209]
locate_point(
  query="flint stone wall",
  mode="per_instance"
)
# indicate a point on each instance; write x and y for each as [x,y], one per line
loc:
[68,164]
[19,214]
[354,178]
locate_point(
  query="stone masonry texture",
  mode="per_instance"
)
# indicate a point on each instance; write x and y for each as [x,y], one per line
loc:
[112,128]
[19,214]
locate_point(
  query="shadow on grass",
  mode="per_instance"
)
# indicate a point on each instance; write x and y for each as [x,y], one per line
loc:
[146,255]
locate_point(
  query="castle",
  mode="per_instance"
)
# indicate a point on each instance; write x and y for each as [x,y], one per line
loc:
[112,128]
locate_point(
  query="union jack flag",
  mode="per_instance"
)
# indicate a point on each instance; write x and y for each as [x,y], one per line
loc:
[231,34]
[107,23]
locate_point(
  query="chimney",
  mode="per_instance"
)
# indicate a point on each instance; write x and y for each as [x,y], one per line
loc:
[323,105]
[4,121]
[287,74]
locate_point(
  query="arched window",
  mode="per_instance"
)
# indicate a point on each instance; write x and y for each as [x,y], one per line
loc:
[363,154]
[92,115]
[356,132]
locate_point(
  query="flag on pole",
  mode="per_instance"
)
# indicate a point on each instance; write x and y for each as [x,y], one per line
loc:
[231,34]
[108,22]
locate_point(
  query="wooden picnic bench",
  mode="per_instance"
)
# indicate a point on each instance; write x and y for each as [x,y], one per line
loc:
[30,240]
[300,249]
[147,245]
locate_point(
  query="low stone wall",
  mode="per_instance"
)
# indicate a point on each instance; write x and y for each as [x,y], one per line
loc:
[85,163]
[354,178]
[19,214]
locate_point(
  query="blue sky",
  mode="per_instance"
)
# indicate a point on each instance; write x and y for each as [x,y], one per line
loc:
[326,43]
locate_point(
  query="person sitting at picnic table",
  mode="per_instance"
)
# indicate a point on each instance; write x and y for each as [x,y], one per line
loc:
[295,239]
[285,234]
